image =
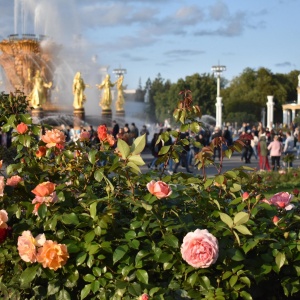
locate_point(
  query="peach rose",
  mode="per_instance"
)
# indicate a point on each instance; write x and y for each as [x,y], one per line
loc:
[111,140]
[27,245]
[14,180]
[41,151]
[200,249]
[52,198]
[22,128]
[159,189]
[54,137]
[245,196]
[2,185]
[3,218]
[281,199]
[52,255]
[44,189]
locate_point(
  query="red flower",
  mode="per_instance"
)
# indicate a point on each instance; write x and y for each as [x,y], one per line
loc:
[22,128]
[3,234]
[41,151]
[296,192]
[102,132]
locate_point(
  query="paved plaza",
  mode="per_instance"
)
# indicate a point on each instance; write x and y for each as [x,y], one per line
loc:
[228,164]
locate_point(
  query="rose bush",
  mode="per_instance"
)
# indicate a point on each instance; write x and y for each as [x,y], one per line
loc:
[85,223]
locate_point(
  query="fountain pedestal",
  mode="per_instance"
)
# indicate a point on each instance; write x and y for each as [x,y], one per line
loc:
[120,113]
[79,116]
[37,113]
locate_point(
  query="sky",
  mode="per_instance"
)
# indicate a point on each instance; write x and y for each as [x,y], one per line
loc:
[175,38]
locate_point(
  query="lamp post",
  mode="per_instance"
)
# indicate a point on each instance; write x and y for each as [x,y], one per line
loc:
[218,71]
[119,72]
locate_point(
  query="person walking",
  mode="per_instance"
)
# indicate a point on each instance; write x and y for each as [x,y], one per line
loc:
[263,153]
[275,149]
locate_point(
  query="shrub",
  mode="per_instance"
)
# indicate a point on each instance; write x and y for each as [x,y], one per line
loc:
[85,223]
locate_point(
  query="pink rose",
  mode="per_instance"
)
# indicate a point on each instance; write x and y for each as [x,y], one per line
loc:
[54,138]
[2,185]
[14,180]
[27,245]
[159,189]
[144,297]
[200,249]
[281,199]
[3,218]
[275,220]
[245,196]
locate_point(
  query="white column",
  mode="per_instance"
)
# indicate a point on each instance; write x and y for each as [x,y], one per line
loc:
[219,112]
[270,112]
[285,117]
[293,115]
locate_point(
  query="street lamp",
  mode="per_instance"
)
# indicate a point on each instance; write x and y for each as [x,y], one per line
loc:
[218,71]
[119,72]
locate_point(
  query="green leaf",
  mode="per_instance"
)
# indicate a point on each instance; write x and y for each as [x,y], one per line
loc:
[85,291]
[26,118]
[93,210]
[142,276]
[98,175]
[164,150]
[137,159]
[89,278]
[42,210]
[226,219]
[89,236]
[236,254]
[280,259]
[245,280]
[134,167]
[192,279]
[70,219]
[63,295]
[243,229]
[92,156]
[233,279]
[138,145]
[204,282]
[240,218]
[237,237]
[119,253]
[28,275]
[80,258]
[235,188]
[69,154]
[123,148]
[171,240]
[226,275]
[195,127]
[245,295]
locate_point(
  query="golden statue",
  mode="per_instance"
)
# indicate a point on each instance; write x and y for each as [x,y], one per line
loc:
[106,84]
[38,95]
[120,98]
[78,91]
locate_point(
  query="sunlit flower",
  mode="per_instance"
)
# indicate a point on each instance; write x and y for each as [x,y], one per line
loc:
[14,180]
[3,218]
[159,189]
[200,249]
[84,136]
[52,255]
[102,132]
[2,185]
[41,151]
[22,128]
[44,189]
[27,245]
[54,138]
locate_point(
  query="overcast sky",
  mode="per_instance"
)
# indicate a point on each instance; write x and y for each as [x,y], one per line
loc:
[175,38]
